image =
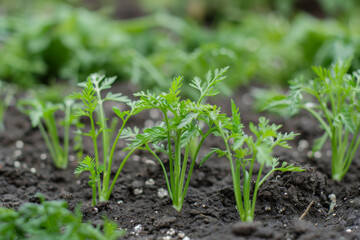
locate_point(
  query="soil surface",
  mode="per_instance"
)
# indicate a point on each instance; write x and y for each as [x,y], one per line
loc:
[209,209]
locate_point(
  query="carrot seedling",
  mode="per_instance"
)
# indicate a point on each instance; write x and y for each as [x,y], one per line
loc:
[332,97]
[180,125]
[93,101]
[6,95]
[42,115]
[243,151]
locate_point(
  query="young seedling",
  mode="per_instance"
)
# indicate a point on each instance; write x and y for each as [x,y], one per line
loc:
[180,125]
[332,97]
[42,116]
[94,109]
[243,151]
[6,95]
[51,220]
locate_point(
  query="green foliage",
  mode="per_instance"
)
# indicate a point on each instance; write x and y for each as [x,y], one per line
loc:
[93,108]
[244,150]
[180,125]
[51,220]
[42,115]
[7,92]
[332,97]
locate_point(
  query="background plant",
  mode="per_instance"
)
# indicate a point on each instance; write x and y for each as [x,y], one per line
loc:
[93,108]
[332,97]
[175,135]
[7,92]
[243,151]
[51,220]
[42,115]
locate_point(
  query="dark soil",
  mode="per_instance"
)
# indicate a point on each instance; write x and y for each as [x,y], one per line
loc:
[209,210]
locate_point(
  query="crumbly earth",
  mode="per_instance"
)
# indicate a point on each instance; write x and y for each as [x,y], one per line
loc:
[209,210]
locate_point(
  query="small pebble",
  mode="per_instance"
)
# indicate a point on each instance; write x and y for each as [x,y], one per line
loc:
[348,230]
[136,158]
[149,123]
[19,144]
[303,144]
[138,228]
[32,170]
[120,201]
[78,182]
[150,182]
[137,191]
[186,238]
[72,158]
[162,193]
[181,235]
[267,208]
[96,209]
[150,162]
[166,238]
[171,232]
[317,154]
[154,113]
[17,164]
[43,156]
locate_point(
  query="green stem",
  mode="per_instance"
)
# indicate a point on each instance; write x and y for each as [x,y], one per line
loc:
[108,193]
[47,142]
[257,185]
[94,139]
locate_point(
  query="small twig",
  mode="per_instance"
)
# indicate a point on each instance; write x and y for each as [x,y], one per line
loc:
[307,210]
[332,198]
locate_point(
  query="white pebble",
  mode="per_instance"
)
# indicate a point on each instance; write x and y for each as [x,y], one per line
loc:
[43,156]
[150,182]
[162,193]
[17,164]
[154,113]
[96,209]
[137,191]
[149,123]
[317,154]
[171,232]
[136,158]
[303,144]
[348,230]
[32,170]
[150,162]
[120,201]
[78,182]
[138,228]
[72,158]
[19,144]
[166,238]
[181,235]
[186,238]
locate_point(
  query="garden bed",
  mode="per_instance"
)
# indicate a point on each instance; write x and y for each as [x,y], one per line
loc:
[138,204]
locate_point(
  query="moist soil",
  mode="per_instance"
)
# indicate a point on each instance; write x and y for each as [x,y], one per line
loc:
[209,210]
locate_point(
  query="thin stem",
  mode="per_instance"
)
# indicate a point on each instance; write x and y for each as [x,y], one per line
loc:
[257,185]
[47,142]
[171,162]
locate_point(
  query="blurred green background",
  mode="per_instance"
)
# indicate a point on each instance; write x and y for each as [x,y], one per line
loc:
[151,42]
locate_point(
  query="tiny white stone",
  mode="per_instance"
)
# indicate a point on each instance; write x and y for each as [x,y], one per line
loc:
[328,153]
[19,144]
[96,209]
[267,208]
[72,158]
[162,193]
[78,182]
[138,228]
[136,158]
[181,235]
[43,156]
[137,191]
[204,206]
[285,193]
[317,154]
[150,182]
[171,232]
[120,201]
[154,113]
[348,230]
[166,238]
[17,164]
[150,162]
[186,238]
[149,123]
[32,170]
[24,165]
[303,144]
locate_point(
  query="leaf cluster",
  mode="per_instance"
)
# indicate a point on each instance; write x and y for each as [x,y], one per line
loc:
[51,220]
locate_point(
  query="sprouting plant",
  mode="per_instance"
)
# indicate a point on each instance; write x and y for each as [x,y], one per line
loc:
[244,150]
[6,94]
[332,97]
[42,115]
[181,123]
[51,220]
[94,109]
